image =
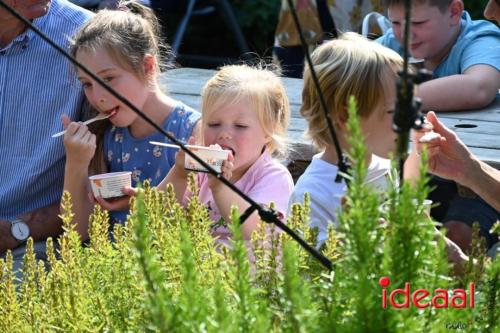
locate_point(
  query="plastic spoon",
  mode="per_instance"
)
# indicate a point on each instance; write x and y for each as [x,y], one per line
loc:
[90,121]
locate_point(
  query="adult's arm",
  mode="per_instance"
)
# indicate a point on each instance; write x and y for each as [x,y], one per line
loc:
[484,180]
[43,223]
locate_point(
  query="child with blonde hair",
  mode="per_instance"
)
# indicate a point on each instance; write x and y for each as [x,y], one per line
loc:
[122,48]
[245,110]
[349,66]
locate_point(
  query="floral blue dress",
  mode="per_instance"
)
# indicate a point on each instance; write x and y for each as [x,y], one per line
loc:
[123,152]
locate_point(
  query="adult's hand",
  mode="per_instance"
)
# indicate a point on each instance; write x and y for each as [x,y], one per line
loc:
[454,161]
[453,158]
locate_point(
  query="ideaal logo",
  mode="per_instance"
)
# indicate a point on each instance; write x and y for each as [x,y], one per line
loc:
[419,298]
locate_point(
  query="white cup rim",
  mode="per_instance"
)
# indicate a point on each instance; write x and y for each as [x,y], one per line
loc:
[111,175]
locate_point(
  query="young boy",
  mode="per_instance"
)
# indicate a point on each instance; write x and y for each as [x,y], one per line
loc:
[349,66]
[354,66]
[464,55]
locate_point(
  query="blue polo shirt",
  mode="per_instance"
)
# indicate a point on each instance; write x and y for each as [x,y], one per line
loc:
[478,43]
[37,86]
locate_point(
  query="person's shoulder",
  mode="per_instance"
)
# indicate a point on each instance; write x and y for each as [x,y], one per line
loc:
[319,176]
[69,13]
[182,120]
[318,180]
[183,110]
[269,170]
[387,38]
[390,41]
[474,29]
[271,167]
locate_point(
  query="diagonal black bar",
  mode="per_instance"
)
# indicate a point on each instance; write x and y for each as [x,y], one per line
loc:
[264,213]
[343,163]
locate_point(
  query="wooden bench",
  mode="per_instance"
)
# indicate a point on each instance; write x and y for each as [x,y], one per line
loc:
[479,129]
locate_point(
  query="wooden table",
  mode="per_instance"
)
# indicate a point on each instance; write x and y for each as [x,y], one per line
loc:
[479,129]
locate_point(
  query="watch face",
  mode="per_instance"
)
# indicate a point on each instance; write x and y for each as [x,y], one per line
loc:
[20,231]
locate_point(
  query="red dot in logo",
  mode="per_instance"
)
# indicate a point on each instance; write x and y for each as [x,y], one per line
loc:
[384,281]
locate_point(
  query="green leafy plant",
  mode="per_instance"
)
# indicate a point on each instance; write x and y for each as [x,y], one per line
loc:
[163,272]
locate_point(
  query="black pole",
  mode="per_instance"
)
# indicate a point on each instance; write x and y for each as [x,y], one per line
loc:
[407,111]
[343,163]
[266,214]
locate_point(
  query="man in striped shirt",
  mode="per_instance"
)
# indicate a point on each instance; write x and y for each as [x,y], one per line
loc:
[37,86]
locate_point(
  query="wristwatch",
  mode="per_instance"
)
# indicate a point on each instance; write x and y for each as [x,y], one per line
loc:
[19,230]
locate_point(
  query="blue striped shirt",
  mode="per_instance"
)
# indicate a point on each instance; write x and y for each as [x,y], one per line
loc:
[37,85]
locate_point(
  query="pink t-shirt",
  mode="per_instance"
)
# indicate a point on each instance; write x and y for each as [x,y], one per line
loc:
[265,181]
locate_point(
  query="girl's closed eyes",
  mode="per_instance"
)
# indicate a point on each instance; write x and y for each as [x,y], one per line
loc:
[238,126]
[237,116]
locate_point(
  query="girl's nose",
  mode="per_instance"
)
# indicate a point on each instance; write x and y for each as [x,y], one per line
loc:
[99,95]
[224,135]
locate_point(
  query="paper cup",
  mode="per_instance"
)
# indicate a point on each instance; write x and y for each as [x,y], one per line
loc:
[109,185]
[213,157]
[426,205]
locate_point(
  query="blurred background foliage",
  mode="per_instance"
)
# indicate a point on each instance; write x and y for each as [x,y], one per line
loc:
[209,35]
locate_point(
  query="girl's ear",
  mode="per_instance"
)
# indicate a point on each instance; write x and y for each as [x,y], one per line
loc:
[268,139]
[149,65]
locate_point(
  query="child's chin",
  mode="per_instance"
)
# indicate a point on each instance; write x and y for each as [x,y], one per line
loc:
[119,123]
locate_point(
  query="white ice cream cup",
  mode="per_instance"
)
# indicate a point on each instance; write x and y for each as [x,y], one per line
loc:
[426,205]
[110,185]
[212,156]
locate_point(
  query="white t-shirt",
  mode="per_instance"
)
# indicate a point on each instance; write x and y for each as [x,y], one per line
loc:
[319,181]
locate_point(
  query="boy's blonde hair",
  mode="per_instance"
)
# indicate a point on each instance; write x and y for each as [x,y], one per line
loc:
[262,88]
[349,66]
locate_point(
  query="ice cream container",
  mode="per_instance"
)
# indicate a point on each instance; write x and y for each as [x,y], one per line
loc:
[110,185]
[213,156]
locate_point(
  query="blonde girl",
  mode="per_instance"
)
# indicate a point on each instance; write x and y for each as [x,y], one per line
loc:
[245,110]
[122,48]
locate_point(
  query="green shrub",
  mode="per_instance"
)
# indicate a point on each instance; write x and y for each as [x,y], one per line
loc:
[163,273]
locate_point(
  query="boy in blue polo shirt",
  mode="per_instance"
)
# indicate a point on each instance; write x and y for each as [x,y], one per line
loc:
[463,54]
